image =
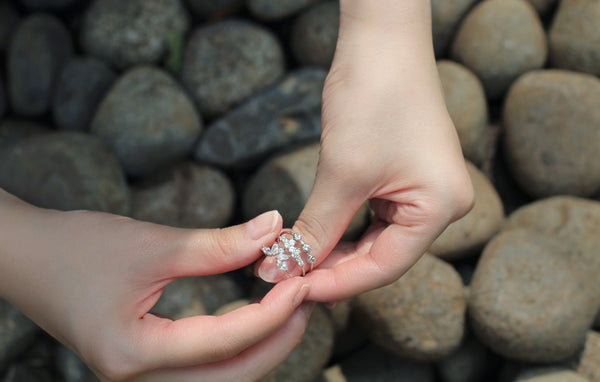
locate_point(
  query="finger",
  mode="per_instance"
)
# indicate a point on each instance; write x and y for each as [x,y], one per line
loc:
[203,339]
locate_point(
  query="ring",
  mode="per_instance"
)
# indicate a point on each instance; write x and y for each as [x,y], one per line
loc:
[290,244]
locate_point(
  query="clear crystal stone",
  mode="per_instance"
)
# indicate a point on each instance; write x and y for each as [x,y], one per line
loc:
[306,247]
[282,265]
[297,236]
[311,259]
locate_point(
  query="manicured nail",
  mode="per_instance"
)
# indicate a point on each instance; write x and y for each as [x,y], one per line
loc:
[262,225]
[270,273]
[302,293]
[308,307]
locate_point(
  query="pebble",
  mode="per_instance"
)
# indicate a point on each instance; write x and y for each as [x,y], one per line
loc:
[287,113]
[17,332]
[39,48]
[270,10]
[81,86]
[65,171]
[71,368]
[523,294]
[543,7]
[552,128]
[214,9]
[9,18]
[23,372]
[466,103]
[132,32]
[228,61]
[13,131]
[314,34]
[421,316]
[468,235]
[469,363]
[308,359]
[148,120]
[589,361]
[500,40]
[550,374]
[445,18]
[2,99]
[49,5]
[575,36]
[186,195]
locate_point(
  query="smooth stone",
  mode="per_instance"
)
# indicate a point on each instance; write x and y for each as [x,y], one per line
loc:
[23,372]
[421,316]
[445,18]
[468,235]
[500,40]
[147,120]
[228,61]
[550,374]
[49,5]
[39,48]
[2,99]
[332,374]
[468,364]
[17,333]
[523,296]
[466,103]
[81,86]
[214,9]
[13,131]
[71,368]
[589,361]
[270,10]
[314,34]
[575,37]
[552,128]
[543,6]
[186,195]
[287,113]
[9,18]
[132,32]
[308,359]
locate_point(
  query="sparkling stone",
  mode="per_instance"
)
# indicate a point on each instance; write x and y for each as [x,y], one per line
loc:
[282,265]
[297,236]
[295,251]
[311,259]
[306,247]
[266,250]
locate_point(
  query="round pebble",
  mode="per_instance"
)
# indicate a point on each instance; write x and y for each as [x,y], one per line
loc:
[550,374]
[148,120]
[13,131]
[17,332]
[575,36]
[52,5]
[71,368]
[589,361]
[212,8]
[127,33]
[314,34]
[552,128]
[445,18]
[500,40]
[39,48]
[9,18]
[468,364]
[421,316]
[2,99]
[276,9]
[228,61]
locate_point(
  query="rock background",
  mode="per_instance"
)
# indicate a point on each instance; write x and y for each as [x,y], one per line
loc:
[203,113]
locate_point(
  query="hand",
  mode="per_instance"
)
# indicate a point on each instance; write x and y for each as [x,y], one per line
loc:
[91,279]
[386,137]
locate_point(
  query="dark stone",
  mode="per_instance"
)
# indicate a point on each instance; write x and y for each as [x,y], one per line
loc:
[13,131]
[445,18]
[49,5]
[314,34]
[2,99]
[549,374]
[212,8]
[9,18]
[71,368]
[468,364]
[17,332]
[276,9]
[23,372]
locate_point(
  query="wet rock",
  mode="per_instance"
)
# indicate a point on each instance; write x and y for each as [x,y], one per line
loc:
[49,5]
[9,18]
[314,34]
[211,8]
[13,131]
[71,368]
[276,9]
[543,6]
[81,86]
[466,103]
[17,332]
[468,364]
[65,171]
[549,374]
[445,17]
[468,235]
[574,36]
[40,46]
[148,120]
[187,195]
[589,362]
[421,316]
[552,128]
[500,40]
[308,359]
[132,32]
[287,113]
[523,295]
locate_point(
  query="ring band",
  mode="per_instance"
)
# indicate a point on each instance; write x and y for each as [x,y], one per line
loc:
[290,245]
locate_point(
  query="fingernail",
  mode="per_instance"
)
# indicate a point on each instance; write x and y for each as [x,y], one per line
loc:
[308,307]
[270,273]
[302,293]
[262,225]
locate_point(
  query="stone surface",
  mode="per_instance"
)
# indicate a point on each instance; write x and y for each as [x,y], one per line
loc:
[589,362]
[466,103]
[17,332]
[13,131]
[574,36]
[148,120]
[523,295]
[468,364]
[2,99]
[71,368]
[308,359]
[550,374]
[9,18]
[421,316]
[287,113]
[468,235]
[552,128]
[186,195]
[39,48]
[500,40]
[51,5]
[228,61]
[314,34]
[81,86]
[65,171]
[132,32]
[211,8]
[23,372]
[543,6]
[276,9]
[445,17]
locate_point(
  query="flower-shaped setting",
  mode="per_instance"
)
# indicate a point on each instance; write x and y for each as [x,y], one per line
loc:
[290,245]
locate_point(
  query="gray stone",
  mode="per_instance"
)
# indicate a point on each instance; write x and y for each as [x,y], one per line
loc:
[588,364]
[528,301]
[187,195]
[314,34]
[9,18]
[132,32]
[228,61]
[552,128]
[276,9]
[421,316]
[445,18]
[49,5]
[500,40]
[81,86]
[597,321]
[17,332]
[40,46]
[543,6]
[65,171]
[575,36]
[13,131]
[550,374]
[466,103]
[468,364]
[2,99]
[212,8]
[71,368]
[148,120]
[23,372]
[468,235]
[287,113]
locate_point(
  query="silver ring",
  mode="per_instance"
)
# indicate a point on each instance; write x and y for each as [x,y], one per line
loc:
[290,245]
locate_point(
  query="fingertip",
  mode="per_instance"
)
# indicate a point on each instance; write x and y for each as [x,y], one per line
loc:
[263,225]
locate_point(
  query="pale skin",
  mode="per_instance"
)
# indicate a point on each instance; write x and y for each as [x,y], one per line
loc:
[89,279]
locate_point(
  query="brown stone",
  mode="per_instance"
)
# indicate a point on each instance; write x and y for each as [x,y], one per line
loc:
[589,363]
